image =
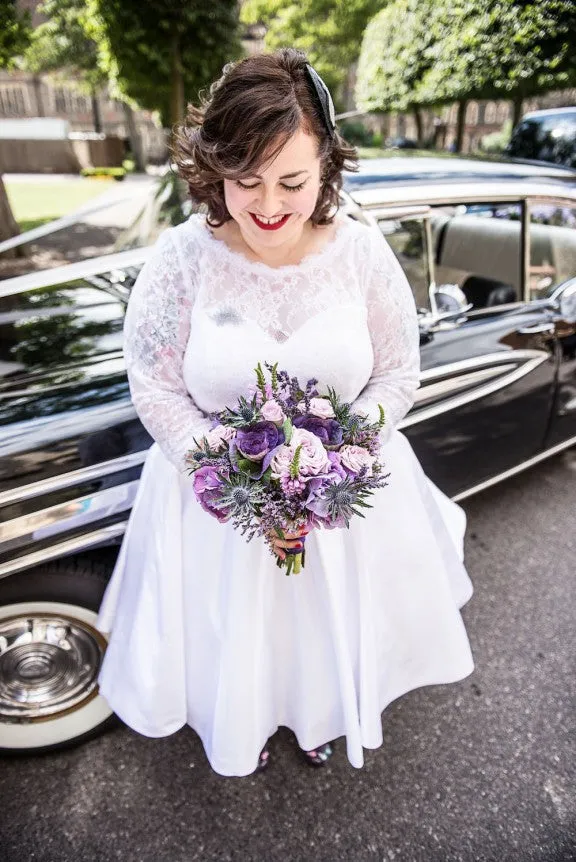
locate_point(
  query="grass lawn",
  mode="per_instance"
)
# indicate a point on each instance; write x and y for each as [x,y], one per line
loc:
[35,203]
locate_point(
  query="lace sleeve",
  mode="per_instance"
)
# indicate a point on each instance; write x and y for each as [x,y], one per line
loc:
[156,330]
[393,324]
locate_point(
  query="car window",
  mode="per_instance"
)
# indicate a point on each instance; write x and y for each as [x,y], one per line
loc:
[478,247]
[548,139]
[552,246]
[407,239]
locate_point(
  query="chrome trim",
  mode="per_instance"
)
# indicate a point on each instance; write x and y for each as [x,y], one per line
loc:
[452,384]
[430,194]
[114,531]
[424,413]
[74,477]
[475,362]
[548,453]
[45,523]
[62,549]
[74,271]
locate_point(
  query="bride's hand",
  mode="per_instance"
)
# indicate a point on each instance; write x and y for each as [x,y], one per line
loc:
[291,540]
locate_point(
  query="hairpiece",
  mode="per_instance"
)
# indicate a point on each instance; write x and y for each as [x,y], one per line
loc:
[323,97]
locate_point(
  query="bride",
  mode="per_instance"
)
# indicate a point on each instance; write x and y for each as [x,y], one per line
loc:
[203,629]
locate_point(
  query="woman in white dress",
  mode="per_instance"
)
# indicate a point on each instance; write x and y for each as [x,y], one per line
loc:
[203,627]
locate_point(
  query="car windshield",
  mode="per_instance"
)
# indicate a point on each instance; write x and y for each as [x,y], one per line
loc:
[549,139]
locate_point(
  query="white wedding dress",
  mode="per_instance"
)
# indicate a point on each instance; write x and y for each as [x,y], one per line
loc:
[204,628]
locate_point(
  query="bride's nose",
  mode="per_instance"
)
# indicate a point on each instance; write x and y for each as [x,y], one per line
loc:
[270,202]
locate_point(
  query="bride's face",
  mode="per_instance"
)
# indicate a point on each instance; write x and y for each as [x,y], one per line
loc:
[288,187]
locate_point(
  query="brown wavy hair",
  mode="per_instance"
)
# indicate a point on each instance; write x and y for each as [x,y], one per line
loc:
[251,112]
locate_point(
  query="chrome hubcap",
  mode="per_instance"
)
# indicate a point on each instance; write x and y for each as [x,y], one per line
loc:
[48,664]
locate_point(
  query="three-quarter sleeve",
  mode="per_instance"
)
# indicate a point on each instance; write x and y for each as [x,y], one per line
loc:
[393,325]
[156,331]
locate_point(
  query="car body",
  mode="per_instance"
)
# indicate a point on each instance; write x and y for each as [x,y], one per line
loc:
[545,136]
[489,248]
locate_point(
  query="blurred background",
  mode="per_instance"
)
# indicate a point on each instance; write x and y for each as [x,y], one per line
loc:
[90,89]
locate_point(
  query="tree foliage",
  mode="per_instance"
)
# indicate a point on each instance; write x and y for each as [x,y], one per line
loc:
[14,32]
[163,51]
[427,53]
[329,31]
[61,45]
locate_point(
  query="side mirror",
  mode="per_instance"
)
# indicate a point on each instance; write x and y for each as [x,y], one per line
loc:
[448,299]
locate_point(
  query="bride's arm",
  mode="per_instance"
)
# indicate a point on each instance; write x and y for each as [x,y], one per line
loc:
[156,330]
[393,324]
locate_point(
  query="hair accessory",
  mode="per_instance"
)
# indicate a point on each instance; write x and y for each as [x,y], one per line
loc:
[323,97]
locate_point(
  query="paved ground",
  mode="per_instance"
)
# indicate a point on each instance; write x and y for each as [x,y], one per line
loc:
[480,771]
[94,234]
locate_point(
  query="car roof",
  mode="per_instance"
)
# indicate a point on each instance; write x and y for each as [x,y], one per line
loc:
[548,112]
[424,176]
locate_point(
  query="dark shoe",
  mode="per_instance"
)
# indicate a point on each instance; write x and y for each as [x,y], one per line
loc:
[319,756]
[263,759]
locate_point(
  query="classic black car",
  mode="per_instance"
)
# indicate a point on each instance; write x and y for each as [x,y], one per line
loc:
[490,251]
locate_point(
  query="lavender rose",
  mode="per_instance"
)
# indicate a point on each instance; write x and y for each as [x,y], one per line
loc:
[313,457]
[328,430]
[272,412]
[207,487]
[255,441]
[321,408]
[353,458]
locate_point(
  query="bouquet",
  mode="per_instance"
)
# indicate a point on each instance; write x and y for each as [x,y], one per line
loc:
[287,459]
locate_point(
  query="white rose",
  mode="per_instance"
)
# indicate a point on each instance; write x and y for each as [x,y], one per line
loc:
[219,436]
[355,457]
[322,408]
[272,412]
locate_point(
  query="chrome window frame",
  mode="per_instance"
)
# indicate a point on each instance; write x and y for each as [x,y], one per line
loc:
[540,200]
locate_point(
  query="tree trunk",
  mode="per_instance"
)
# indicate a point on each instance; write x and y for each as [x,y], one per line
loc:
[37,83]
[517,102]
[177,106]
[134,138]
[8,225]
[460,124]
[96,117]
[418,121]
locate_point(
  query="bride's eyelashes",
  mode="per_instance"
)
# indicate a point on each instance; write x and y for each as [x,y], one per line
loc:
[284,186]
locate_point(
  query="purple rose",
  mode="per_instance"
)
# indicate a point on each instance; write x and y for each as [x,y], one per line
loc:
[258,439]
[328,430]
[207,486]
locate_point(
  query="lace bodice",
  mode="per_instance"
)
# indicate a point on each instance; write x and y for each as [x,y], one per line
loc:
[201,315]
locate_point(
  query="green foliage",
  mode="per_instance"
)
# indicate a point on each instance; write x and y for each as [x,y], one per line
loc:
[329,31]
[418,53]
[295,464]
[115,173]
[496,141]
[158,50]
[15,32]
[394,56]
[62,46]
[356,132]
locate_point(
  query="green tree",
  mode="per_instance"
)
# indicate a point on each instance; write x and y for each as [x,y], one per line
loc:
[162,52]
[500,49]
[417,54]
[394,56]
[329,31]
[14,39]
[61,46]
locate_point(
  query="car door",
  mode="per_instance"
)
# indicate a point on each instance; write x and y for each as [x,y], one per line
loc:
[487,380]
[71,445]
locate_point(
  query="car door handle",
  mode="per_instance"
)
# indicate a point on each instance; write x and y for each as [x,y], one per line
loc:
[536,328]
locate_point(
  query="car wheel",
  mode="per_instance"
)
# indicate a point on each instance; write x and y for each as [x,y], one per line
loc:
[50,657]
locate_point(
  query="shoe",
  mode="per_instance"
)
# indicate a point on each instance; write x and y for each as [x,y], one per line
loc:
[263,760]
[319,756]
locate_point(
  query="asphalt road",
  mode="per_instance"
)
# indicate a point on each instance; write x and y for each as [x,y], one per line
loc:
[480,770]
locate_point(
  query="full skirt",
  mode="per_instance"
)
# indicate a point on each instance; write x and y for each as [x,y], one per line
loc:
[205,629]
